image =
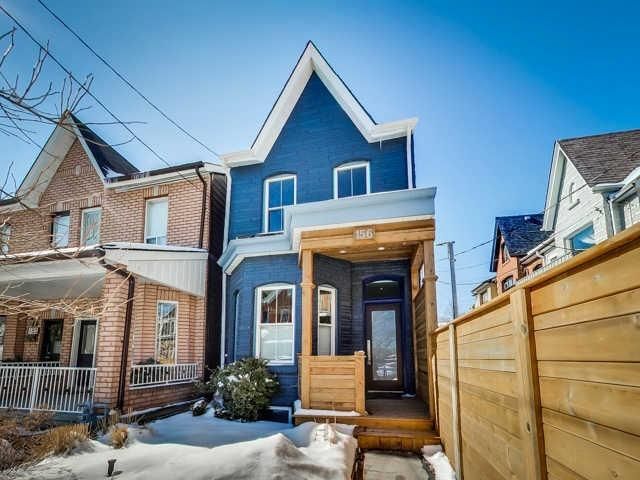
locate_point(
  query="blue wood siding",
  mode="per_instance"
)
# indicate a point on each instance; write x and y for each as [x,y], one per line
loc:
[317,137]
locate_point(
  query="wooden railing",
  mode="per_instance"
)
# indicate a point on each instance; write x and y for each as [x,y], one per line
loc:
[58,389]
[146,376]
[544,381]
[332,382]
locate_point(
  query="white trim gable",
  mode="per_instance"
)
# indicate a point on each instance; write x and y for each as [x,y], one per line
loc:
[554,187]
[49,159]
[311,61]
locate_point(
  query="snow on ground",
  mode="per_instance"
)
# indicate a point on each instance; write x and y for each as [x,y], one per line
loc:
[384,465]
[434,455]
[181,447]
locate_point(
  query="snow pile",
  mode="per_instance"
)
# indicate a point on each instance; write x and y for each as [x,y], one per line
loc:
[310,412]
[439,462]
[178,447]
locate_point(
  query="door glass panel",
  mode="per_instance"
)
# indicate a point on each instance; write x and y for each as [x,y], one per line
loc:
[88,339]
[383,345]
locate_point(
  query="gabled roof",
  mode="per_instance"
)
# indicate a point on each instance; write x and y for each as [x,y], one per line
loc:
[605,158]
[521,233]
[110,162]
[311,61]
[482,286]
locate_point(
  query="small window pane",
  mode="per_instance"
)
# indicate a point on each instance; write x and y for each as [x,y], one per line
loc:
[275,328]
[324,340]
[91,227]
[269,306]
[287,191]
[276,343]
[5,235]
[359,180]
[156,221]
[60,237]
[275,194]
[382,289]
[166,332]
[583,239]
[88,340]
[344,183]
[275,220]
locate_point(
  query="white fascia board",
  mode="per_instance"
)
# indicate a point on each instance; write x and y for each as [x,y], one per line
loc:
[68,268]
[554,187]
[312,61]
[261,245]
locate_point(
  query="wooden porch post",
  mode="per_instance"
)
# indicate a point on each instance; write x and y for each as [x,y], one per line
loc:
[307,322]
[431,318]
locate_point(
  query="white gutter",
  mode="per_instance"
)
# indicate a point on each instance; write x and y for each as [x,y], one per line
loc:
[409,159]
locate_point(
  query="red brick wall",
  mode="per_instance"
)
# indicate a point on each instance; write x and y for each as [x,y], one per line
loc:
[143,398]
[505,269]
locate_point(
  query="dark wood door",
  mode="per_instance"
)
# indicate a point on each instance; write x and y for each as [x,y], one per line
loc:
[86,343]
[51,341]
[384,352]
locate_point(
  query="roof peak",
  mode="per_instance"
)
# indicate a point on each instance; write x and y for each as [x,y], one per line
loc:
[595,135]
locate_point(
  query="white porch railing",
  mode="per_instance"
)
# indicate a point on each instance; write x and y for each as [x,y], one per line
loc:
[29,364]
[548,266]
[146,376]
[58,389]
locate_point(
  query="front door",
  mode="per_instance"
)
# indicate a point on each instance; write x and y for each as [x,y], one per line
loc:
[384,353]
[51,341]
[86,343]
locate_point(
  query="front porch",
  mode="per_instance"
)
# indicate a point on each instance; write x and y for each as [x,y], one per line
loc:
[392,407]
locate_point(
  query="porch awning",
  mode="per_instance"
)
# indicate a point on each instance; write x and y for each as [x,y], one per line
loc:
[397,206]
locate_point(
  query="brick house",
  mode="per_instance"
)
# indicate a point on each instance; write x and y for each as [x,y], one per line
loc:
[514,237]
[329,265]
[107,277]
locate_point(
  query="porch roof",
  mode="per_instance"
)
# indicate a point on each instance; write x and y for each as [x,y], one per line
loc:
[383,211]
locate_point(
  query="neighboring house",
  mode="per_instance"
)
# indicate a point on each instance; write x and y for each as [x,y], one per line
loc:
[514,237]
[485,292]
[104,274]
[327,234]
[593,191]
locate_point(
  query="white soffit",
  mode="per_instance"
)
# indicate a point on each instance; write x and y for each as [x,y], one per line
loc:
[313,61]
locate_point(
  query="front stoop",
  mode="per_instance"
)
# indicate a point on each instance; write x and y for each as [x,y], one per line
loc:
[394,439]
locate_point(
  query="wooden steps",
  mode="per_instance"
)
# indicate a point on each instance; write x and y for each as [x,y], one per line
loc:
[395,439]
[371,421]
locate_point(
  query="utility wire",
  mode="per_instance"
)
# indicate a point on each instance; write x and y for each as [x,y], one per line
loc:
[127,82]
[88,92]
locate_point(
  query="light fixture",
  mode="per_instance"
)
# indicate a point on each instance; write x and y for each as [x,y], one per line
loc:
[380,248]
[343,251]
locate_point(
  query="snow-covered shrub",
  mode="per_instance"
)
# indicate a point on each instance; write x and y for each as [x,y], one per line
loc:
[244,389]
[199,408]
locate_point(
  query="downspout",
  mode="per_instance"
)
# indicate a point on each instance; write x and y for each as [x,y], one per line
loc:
[124,356]
[203,206]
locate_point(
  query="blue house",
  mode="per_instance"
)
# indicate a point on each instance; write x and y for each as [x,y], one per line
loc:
[328,261]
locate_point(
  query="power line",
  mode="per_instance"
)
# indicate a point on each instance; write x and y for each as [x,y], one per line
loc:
[127,82]
[88,92]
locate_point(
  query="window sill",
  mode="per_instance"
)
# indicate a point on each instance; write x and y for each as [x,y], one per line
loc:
[574,204]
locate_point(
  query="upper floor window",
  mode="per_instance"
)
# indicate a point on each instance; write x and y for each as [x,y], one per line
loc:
[279,192]
[155,224]
[507,283]
[582,239]
[90,227]
[5,234]
[351,179]
[326,320]
[60,230]
[166,328]
[274,326]
[484,297]
[505,253]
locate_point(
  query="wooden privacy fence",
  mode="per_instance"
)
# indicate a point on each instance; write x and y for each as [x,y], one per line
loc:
[329,382]
[544,381]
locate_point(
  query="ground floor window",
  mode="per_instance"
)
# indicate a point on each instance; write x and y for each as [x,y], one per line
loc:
[326,320]
[3,323]
[274,325]
[166,328]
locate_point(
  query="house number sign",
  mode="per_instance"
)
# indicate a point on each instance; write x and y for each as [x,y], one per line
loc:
[364,233]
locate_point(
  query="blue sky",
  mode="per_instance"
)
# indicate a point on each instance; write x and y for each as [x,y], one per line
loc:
[493,84]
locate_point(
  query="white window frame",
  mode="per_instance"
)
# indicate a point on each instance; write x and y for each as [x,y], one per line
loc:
[146,216]
[568,240]
[54,237]
[82,224]
[265,199]
[175,350]
[5,237]
[258,323]
[333,292]
[75,340]
[351,166]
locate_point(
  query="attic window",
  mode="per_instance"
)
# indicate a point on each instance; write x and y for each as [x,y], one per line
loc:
[60,230]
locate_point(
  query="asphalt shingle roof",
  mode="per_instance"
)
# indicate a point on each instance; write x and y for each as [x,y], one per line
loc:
[110,162]
[606,158]
[520,232]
